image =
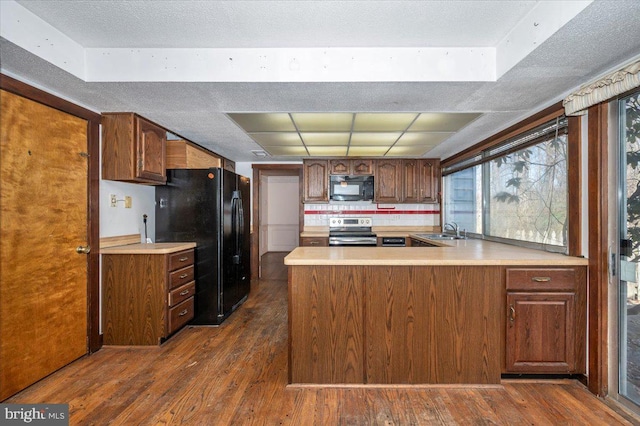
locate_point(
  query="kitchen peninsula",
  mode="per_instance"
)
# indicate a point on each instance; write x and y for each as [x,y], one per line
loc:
[465,312]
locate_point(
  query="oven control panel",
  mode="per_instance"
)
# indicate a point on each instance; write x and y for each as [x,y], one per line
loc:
[342,222]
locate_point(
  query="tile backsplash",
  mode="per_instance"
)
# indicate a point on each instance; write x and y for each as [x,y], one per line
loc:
[382,214]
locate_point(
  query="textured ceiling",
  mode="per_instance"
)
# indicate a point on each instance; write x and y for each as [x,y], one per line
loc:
[600,38]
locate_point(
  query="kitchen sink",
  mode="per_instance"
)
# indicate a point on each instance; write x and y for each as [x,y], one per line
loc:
[440,237]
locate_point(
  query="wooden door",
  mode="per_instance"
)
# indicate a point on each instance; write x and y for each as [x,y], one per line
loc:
[43,207]
[410,181]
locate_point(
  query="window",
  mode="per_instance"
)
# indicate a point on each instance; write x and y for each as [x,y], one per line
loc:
[515,192]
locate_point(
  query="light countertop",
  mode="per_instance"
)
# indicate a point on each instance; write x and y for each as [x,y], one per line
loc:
[155,248]
[451,252]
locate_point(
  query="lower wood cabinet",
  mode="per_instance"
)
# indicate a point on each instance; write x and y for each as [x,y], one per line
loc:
[314,241]
[546,320]
[146,297]
[395,324]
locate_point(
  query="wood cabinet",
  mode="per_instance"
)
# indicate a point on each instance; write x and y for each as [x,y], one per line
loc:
[546,320]
[147,297]
[420,181]
[316,181]
[395,324]
[346,166]
[133,149]
[388,181]
[183,154]
[314,241]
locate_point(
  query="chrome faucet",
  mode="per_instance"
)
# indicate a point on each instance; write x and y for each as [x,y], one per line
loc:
[453,226]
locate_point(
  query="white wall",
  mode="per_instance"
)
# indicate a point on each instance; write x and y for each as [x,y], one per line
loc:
[282,195]
[119,220]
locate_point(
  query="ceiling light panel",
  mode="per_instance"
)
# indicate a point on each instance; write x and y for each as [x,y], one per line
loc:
[264,122]
[329,139]
[367,151]
[423,138]
[374,139]
[382,122]
[407,151]
[327,151]
[442,121]
[277,139]
[323,122]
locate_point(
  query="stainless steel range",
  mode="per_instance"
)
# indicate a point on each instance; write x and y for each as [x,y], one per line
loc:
[351,231]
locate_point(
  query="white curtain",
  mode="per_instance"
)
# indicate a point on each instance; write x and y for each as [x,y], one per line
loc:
[607,87]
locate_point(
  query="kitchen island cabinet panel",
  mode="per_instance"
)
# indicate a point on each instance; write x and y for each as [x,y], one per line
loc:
[432,325]
[395,325]
[325,325]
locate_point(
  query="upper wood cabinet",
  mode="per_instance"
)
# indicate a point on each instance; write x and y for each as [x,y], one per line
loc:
[133,149]
[421,182]
[351,167]
[388,181]
[183,154]
[316,181]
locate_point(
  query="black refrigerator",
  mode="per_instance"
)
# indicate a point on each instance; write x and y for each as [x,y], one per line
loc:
[211,208]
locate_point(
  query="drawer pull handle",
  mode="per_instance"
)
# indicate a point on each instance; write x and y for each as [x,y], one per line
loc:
[184,292]
[184,275]
[314,243]
[183,313]
[183,259]
[541,279]
[512,314]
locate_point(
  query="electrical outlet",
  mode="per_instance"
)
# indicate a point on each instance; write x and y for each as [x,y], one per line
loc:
[127,202]
[113,199]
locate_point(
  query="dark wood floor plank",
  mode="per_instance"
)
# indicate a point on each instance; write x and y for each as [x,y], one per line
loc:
[237,374]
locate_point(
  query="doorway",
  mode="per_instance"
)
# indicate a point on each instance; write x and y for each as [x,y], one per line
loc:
[277,204]
[628,298]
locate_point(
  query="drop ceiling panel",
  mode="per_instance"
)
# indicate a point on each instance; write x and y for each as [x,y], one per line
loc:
[382,122]
[374,139]
[423,138]
[264,122]
[277,139]
[323,122]
[327,139]
[367,151]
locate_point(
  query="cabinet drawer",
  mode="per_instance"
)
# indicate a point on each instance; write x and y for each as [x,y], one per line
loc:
[180,277]
[180,314]
[181,259]
[315,241]
[556,279]
[182,293]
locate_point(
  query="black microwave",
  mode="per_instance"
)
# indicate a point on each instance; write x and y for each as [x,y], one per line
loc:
[351,188]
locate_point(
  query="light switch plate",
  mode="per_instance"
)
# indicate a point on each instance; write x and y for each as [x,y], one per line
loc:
[127,202]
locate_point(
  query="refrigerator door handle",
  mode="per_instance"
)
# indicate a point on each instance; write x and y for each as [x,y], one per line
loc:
[235,228]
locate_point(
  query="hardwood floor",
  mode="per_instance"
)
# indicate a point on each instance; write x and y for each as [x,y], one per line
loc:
[237,374]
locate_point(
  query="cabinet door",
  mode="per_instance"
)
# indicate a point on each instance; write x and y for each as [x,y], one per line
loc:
[340,167]
[362,167]
[388,181]
[429,181]
[316,181]
[540,332]
[420,181]
[410,181]
[151,147]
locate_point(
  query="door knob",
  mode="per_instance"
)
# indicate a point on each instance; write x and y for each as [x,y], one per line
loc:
[83,249]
